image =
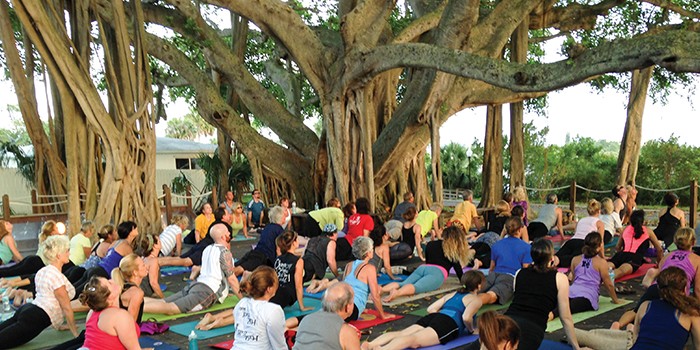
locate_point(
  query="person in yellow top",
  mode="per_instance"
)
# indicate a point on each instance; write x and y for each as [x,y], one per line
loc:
[465,212]
[202,222]
[428,221]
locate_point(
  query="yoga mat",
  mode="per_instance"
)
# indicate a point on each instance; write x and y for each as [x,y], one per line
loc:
[639,273]
[148,342]
[463,340]
[484,271]
[604,305]
[553,345]
[224,345]
[48,338]
[448,286]
[318,295]
[613,242]
[293,311]
[241,238]
[174,270]
[370,318]
[184,330]
[494,307]
[383,279]
[229,303]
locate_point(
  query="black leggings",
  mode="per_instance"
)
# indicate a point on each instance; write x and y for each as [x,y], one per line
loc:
[27,266]
[568,251]
[400,252]
[576,305]
[73,344]
[93,271]
[25,325]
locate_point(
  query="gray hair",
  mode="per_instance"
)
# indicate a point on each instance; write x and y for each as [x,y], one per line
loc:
[466,194]
[551,198]
[53,246]
[361,247]
[337,297]
[87,226]
[276,214]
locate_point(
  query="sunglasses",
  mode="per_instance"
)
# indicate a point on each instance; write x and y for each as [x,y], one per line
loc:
[239,208]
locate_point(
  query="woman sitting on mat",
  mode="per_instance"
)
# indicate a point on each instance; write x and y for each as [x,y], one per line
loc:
[52,304]
[8,246]
[670,219]
[107,325]
[451,252]
[682,258]
[260,323]
[633,244]
[591,223]
[448,318]
[381,258]
[538,290]
[148,247]
[588,271]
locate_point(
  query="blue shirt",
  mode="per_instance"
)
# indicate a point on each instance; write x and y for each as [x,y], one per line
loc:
[267,245]
[255,208]
[510,254]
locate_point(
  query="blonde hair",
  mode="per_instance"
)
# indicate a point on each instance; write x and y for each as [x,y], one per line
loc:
[127,267]
[593,207]
[435,207]
[684,238]
[179,219]
[46,229]
[455,246]
[606,206]
[53,246]
[502,208]
[3,230]
[519,194]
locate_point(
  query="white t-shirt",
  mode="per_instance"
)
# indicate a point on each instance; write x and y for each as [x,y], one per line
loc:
[168,239]
[585,226]
[77,243]
[259,325]
[611,221]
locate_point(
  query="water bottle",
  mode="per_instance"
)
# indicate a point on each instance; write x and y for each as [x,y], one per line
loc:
[316,206]
[294,207]
[611,273]
[193,341]
[6,310]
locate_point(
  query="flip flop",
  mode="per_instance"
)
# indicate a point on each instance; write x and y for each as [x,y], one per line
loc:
[624,290]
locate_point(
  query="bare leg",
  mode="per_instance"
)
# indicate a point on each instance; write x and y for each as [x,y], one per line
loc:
[291,323]
[411,337]
[407,289]
[488,298]
[159,306]
[626,318]
[389,287]
[174,261]
[649,277]
[624,270]
[195,272]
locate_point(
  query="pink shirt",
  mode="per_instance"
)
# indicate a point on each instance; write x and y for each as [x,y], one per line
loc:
[95,338]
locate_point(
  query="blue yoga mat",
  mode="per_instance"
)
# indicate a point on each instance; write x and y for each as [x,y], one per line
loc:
[463,340]
[383,279]
[553,345]
[174,270]
[184,329]
[148,342]
[293,311]
[318,295]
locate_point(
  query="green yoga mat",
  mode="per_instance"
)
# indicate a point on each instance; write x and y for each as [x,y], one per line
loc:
[604,305]
[48,338]
[184,330]
[229,303]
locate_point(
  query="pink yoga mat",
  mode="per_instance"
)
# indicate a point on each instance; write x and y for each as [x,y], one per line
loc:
[639,273]
[370,318]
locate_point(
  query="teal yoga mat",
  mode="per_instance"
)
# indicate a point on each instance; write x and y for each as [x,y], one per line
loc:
[184,330]
[293,311]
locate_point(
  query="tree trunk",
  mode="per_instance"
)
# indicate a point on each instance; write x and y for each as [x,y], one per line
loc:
[435,158]
[224,149]
[628,158]
[492,172]
[519,47]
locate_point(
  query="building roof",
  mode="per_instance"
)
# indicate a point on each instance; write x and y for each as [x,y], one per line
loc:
[166,145]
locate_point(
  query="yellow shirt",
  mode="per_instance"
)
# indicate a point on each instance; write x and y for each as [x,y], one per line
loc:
[425,219]
[329,215]
[464,213]
[201,224]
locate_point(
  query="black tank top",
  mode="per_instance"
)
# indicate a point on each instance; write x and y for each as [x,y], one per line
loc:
[535,295]
[285,265]
[128,285]
[315,255]
[408,236]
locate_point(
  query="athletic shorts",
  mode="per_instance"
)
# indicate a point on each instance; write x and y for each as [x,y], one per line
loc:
[195,297]
[253,259]
[444,326]
[501,284]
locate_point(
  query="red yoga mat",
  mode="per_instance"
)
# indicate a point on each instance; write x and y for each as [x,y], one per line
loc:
[224,345]
[639,273]
[370,318]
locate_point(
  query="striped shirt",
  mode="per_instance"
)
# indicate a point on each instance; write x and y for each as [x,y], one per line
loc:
[168,239]
[47,280]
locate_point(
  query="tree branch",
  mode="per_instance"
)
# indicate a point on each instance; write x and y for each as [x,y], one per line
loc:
[363,26]
[675,50]
[667,4]
[570,17]
[277,19]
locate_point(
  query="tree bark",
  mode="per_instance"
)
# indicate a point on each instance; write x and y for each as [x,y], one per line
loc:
[435,159]
[492,173]
[518,53]
[628,158]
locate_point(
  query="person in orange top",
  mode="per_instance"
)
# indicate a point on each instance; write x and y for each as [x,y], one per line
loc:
[202,222]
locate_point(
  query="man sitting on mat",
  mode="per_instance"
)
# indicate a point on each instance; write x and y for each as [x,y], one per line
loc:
[212,284]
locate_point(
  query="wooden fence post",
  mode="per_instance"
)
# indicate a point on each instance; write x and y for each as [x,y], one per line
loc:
[167,200]
[693,204]
[6,207]
[35,209]
[188,193]
[572,197]
[214,199]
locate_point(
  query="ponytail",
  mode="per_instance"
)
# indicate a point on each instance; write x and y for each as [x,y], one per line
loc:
[495,328]
[672,283]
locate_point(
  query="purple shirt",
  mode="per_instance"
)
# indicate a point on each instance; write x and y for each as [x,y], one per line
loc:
[586,283]
[681,259]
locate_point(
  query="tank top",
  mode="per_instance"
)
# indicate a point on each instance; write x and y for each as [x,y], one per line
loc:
[319,330]
[681,259]
[361,289]
[376,261]
[5,252]
[128,285]
[95,338]
[586,283]
[668,225]
[585,226]
[659,328]
[547,215]
[631,243]
[408,236]
[535,296]
[315,255]
[237,226]
[111,260]
[454,308]
[285,266]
